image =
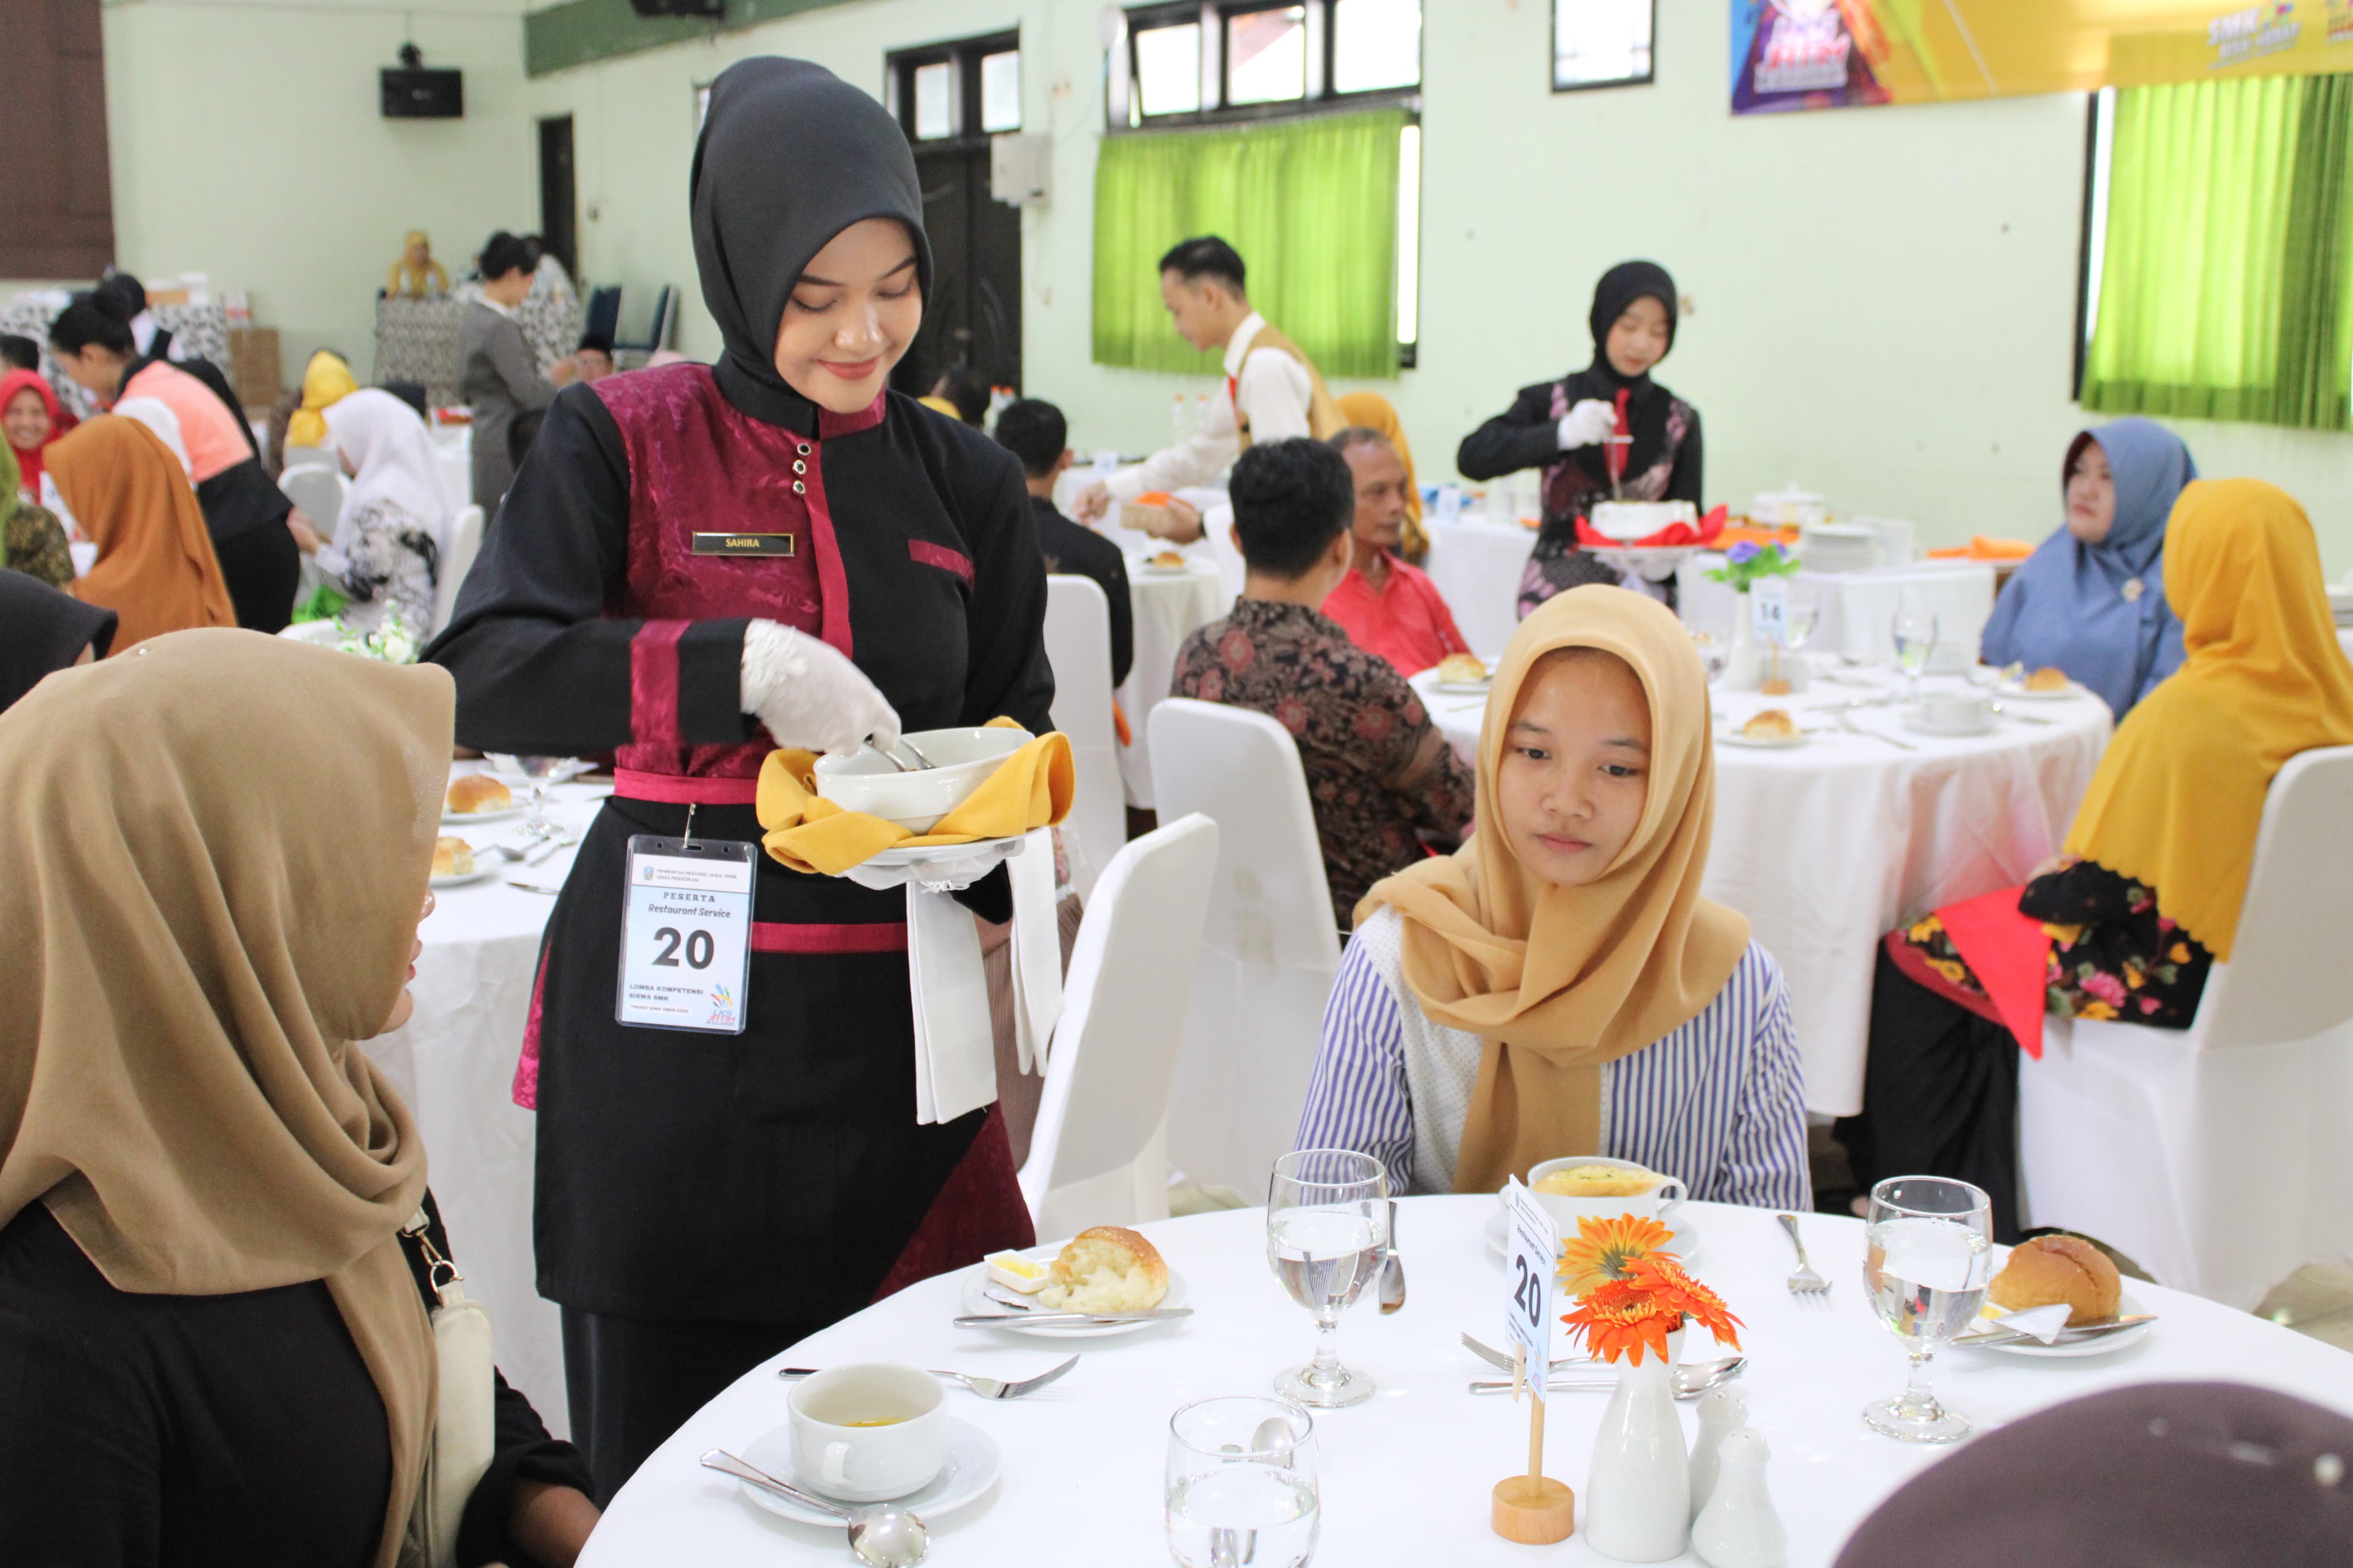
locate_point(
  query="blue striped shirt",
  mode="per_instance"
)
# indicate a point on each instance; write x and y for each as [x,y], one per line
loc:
[1720,1102]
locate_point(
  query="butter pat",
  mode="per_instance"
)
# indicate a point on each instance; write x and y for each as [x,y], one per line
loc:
[1016,1272]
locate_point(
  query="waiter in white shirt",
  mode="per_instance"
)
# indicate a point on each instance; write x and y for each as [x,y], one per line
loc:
[1272,389]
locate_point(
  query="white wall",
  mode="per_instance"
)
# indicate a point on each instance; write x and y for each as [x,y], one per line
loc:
[246,145]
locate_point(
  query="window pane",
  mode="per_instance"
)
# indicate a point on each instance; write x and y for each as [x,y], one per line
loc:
[1266,55]
[1376,44]
[934,117]
[1600,41]
[1000,91]
[1169,69]
[1408,236]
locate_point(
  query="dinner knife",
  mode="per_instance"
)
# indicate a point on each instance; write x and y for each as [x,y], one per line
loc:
[2066,1336]
[1064,1319]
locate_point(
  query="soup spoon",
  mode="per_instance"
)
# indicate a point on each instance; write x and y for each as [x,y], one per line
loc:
[884,1536]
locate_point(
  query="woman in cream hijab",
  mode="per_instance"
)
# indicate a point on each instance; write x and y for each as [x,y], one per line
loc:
[1559,986]
[212,1343]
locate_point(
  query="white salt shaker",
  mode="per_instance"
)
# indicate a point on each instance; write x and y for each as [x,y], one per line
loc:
[1722,1411]
[1738,1528]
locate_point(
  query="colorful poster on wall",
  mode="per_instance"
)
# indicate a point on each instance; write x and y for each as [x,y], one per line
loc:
[1838,54]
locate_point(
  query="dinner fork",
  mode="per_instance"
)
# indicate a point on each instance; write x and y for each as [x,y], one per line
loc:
[1846,721]
[1805,1284]
[987,1387]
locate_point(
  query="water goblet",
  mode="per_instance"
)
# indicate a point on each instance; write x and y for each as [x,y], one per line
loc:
[1913,631]
[543,773]
[1928,1259]
[1326,1238]
[1242,1490]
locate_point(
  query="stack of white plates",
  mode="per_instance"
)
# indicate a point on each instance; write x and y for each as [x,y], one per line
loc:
[1793,508]
[2340,601]
[1840,547]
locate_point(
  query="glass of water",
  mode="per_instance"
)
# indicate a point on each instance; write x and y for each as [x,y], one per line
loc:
[543,773]
[1242,1490]
[1326,1238]
[1928,1258]
[1913,632]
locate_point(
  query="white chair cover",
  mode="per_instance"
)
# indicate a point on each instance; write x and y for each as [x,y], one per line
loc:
[1218,530]
[465,544]
[2218,1157]
[320,492]
[1078,646]
[1097,1155]
[307,458]
[1269,953]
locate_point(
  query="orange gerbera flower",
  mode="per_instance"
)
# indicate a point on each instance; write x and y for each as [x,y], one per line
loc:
[1660,1278]
[1618,1322]
[1605,1249]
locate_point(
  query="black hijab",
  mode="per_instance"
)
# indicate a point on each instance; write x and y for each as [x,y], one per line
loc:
[1646,401]
[2166,1474]
[790,156]
[43,631]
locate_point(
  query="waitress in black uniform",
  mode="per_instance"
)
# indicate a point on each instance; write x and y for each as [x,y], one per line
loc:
[697,564]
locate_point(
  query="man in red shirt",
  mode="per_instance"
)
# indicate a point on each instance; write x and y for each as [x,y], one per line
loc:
[1389,607]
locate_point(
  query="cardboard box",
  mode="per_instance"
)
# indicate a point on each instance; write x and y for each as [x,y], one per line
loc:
[254,367]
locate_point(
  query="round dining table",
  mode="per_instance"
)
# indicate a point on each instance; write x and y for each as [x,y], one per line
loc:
[1405,1476]
[1828,844]
[1170,604]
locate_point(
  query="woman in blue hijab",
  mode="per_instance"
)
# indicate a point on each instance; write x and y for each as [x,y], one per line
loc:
[2091,599]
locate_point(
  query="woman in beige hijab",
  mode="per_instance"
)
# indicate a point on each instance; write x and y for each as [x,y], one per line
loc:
[211,1344]
[1559,986]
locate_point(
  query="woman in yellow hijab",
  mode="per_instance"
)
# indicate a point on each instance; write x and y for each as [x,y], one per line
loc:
[2127,923]
[1374,412]
[1558,986]
[417,274]
[326,381]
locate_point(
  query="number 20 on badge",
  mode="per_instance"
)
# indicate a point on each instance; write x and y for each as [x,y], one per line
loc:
[1531,1508]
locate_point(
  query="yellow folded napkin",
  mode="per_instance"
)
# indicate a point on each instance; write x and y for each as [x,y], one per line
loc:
[1030,789]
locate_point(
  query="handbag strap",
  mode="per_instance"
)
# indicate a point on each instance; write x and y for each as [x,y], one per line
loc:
[443,1275]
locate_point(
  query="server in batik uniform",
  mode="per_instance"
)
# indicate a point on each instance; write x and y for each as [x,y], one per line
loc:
[695,564]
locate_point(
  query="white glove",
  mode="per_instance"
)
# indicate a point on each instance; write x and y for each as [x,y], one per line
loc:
[1587,425]
[1092,502]
[808,695]
[955,867]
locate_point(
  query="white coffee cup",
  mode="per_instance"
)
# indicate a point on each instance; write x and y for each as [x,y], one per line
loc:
[1955,711]
[836,1455]
[1658,1202]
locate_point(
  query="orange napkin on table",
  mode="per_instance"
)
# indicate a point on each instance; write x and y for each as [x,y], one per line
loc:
[1983,547]
[1030,789]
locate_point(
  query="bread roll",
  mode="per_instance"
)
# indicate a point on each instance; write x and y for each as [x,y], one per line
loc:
[1461,666]
[452,857]
[478,792]
[2049,678]
[1598,1182]
[1772,724]
[1106,1270]
[2053,1268]
[1169,558]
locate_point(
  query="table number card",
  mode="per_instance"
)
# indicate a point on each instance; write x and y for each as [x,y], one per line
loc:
[1768,605]
[1533,1255]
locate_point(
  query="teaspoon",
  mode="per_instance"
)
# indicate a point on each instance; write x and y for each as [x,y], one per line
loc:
[1688,1380]
[883,1536]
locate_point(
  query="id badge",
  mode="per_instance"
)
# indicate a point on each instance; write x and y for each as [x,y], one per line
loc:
[686,934]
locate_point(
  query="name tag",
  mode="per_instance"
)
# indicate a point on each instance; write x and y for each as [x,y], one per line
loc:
[686,934]
[743,544]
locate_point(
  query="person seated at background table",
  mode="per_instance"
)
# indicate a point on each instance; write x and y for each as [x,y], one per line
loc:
[31,418]
[385,553]
[246,515]
[2091,599]
[156,566]
[327,379]
[500,380]
[1387,606]
[1380,778]
[19,351]
[212,1336]
[1273,391]
[592,360]
[2128,922]
[1564,428]
[1035,431]
[43,631]
[2217,1474]
[1374,412]
[35,540]
[961,394]
[416,276]
[1559,986]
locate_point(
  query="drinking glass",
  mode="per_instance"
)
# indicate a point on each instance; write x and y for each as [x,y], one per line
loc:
[1242,1490]
[1913,631]
[1326,1236]
[1805,612]
[1928,1258]
[1714,640]
[543,773]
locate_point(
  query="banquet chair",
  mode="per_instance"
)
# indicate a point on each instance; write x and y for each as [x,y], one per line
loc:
[1078,646]
[465,544]
[1217,528]
[307,458]
[1097,1153]
[2218,1156]
[320,492]
[1269,953]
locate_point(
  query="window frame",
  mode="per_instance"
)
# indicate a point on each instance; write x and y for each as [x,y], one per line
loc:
[963,57]
[1650,77]
[1211,15]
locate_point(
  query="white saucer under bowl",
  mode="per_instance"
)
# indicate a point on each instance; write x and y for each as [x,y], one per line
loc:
[1919,724]
[1734,738]
[977,1301]
[2067,693]
[1683,1237]
[972,1468]
[893,857]
[483,872]
[1461,688]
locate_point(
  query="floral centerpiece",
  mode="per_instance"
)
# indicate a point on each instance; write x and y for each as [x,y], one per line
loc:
[1747,564]
[1631,1293]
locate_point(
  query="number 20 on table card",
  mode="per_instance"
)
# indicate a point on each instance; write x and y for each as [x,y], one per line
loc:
[686,934]
[1531,1508]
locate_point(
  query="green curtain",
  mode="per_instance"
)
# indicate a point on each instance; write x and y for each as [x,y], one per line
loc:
[2223,294]
[1312,206]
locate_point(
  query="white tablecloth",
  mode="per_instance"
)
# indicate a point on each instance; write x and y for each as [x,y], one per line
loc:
[1825,847]
[453,460]
[453,1062]
[1476,566]
[1405,1477]
[1169,607]
[1858,607]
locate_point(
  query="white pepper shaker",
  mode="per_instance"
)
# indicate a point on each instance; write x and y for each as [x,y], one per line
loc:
[1721,1411]
[1738,1528]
